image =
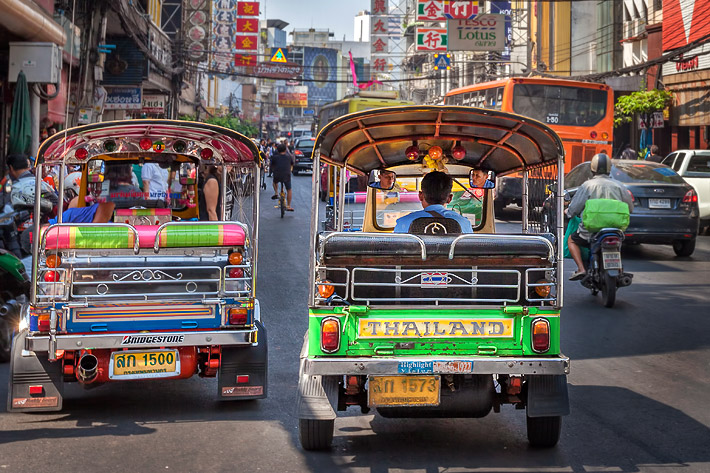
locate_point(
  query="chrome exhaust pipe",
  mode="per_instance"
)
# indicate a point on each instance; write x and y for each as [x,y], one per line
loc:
[88,368]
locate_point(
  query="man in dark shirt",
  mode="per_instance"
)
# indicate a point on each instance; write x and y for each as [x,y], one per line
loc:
[281,165]
[654,156]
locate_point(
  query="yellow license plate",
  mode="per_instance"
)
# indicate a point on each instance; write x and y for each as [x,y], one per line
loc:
[390,391]
[144,364]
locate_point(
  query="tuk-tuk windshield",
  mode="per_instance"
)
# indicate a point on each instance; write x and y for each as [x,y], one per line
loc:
[403,199]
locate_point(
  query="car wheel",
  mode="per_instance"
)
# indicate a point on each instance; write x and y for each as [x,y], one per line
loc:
[684,247]
[544,432]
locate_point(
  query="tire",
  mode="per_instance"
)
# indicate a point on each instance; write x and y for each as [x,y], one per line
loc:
[544,432]
[608,290]
[315,434]
[684,247]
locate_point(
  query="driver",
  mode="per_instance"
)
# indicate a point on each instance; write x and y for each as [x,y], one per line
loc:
[435,193]
[480,179]
[601,186]
[386,180]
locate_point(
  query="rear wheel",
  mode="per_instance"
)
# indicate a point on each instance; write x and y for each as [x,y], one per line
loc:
[544,432]
[609,290]
[684,247]
[315,434]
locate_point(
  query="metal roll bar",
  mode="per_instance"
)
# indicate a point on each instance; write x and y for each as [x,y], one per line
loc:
[474,236]
[373,235]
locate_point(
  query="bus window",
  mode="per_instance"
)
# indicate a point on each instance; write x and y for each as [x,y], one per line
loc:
[560,105]
[499,98]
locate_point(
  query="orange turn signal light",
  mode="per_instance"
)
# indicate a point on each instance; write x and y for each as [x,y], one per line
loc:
[53,261]
[235,258]
[543,291]
[326,290]
[238,316]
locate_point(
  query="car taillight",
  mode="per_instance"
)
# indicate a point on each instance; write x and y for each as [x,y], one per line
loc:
[540,335]
[690,197]
[593,135]
[330,335]
[238,316]
[299,153]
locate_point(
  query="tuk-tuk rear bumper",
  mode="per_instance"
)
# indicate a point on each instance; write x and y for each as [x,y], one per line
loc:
[41,343]
[425,365]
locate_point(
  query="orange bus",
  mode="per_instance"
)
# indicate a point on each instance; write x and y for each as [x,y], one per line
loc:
[581,113]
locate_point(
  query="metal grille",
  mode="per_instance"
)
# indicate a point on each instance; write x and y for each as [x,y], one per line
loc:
[542,188]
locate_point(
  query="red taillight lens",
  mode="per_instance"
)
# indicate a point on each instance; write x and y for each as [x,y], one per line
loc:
[690,197]
[206,153]
[540,335]
[51,276]
[593,135]
[43,322]
[330,335]
[145,144]
[242,378]
[238,316]
[236,273]
[81,153]
[298,153]
[611,241]
[36,390]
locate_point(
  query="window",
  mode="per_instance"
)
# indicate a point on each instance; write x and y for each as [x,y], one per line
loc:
[668,160]
[557,105]
[699,165]
[577,176]
[641,172]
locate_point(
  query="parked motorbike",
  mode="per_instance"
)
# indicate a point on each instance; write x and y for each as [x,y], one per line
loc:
[14,292]
[605,272]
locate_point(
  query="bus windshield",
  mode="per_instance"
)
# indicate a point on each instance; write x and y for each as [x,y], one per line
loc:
[560,105]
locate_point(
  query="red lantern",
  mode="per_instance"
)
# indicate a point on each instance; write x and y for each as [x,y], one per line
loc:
[458,152]
[412,153]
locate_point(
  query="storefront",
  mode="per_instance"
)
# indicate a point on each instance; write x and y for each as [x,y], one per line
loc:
[688,77]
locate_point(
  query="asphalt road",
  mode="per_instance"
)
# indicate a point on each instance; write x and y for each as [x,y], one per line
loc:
[639,391]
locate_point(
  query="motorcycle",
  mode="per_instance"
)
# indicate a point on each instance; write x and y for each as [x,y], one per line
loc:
[15,292]
[605,272]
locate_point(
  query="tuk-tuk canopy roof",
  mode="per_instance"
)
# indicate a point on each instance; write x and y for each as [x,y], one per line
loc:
[146,137]
[493,140]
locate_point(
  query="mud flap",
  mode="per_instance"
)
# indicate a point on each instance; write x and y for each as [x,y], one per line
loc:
[317,395]
[547,395]
[243,371]
[28,369]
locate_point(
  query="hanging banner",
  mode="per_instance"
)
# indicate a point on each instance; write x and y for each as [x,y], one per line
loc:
[248,25]
[430,10]
[431,39]
[247,42]
[485,33]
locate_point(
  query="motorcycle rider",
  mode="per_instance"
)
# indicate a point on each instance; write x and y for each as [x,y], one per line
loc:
[600,186]
[23,186]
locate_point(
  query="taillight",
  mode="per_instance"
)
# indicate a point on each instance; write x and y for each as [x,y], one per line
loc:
[53,261]
[540,335]
[543,291]
[235,258]
[593,135]
[299,153]
[611,241]
[236,273]
[51,276]
[43,322]
[36,390]
[238,316]
[690,197]
[330,335]
[325,290]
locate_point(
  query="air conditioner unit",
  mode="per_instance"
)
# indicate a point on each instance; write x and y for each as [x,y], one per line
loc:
[41,62]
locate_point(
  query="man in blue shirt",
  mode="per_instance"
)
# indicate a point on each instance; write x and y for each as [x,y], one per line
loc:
[435,193]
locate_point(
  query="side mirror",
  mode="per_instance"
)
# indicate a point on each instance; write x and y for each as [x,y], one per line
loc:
[384,180]
[480,179]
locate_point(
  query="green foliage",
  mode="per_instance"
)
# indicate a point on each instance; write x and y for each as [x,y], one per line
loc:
[642,102]
[233,123]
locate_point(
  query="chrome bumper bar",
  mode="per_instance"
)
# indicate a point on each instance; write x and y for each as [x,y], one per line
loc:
[400,365]
[40,343]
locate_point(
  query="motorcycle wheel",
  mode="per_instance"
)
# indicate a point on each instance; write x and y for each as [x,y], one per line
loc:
[609,290]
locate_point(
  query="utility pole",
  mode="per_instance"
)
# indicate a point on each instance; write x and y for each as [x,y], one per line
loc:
[261,118]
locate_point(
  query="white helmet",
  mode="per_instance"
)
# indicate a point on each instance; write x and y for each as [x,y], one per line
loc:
[72,183]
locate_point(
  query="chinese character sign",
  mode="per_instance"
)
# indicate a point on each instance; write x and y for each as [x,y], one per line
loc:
[244,60]
[460,10]
[378,7]
[430,10]
[247,43]
[247,25]
[248,8]
[431,39]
